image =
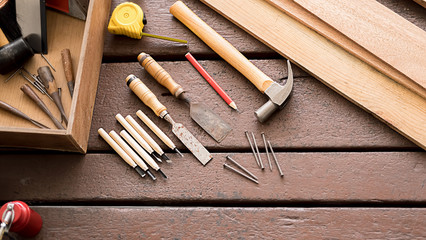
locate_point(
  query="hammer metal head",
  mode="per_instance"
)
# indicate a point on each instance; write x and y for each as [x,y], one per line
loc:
[278,94]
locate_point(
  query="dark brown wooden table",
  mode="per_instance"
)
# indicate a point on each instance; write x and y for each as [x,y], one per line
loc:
[347,175]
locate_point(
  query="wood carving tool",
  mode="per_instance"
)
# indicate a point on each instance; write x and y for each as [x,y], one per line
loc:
[160,134]
[252,149]
[275,159]
[266,149]
[128,19]
[149,99]
[147,138]
[20,114]
[35,98]
[227,166]
[211,81]
[120,152]
[138,137]
[278,94]
[241,167]
[49,82]
[216,127]
[145,156]
[36,82]
[67,63]
[131,153]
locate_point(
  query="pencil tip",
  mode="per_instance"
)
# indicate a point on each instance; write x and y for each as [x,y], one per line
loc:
[234,106]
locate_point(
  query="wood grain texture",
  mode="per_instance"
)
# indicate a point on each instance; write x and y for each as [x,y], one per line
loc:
[379,30]
[335,67]
[421,2]
[229,223]
[315,118]
[312,21]
[341,177]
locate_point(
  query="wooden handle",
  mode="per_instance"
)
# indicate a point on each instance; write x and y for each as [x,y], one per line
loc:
[116,147]
[67,63]
[144,135]
[148,159]
[128,150]
[144,94]
[133,132]
[47,78]
[14,110]
[159,74]
[155,129]
[221,46]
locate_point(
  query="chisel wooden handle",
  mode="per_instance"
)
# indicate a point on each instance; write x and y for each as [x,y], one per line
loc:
[144,94]
[221,46]
[159,74]
[144,135]
[67,63]
[155,129]
[116,147]
[18,113]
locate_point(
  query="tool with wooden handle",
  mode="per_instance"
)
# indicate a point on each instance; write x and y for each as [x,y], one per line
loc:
[120,152]
[277,93]
[149,99]
[20,114]
[67,63]
[35,98]
[160,134]
[216,127]
[49,82]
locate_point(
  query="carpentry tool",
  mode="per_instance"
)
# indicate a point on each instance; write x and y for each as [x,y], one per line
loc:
[131,153]
[241,167]
[278,94]
[252,148]
[67,63]
[147,138]
[211,81]
[49,82]
[160,134]
[138,137]
[148,159]
[266,149]
[74,8]
[120,152]
[149,99]
[227,166]
[20,114]
[128,19]
[217,128]
[35,98]
[275,158]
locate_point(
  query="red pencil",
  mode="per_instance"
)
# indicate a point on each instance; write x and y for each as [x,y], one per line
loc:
[210,80]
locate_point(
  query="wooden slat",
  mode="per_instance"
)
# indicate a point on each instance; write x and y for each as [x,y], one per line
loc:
[377,177]
[338,69]
[379,30]
[293,9]
[315,118]
[230,223]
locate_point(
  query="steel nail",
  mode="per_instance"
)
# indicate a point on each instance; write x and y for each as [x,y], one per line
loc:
[275,158]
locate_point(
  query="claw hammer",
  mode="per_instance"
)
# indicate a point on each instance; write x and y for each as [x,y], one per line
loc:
[278,94]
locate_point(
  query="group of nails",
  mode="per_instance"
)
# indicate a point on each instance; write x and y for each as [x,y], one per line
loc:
[256,153]
[45,83]
[138,148]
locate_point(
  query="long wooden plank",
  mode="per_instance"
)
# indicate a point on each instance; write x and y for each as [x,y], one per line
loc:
[229,223]
[400,108]
[379,30]
[377,177]
[293,9]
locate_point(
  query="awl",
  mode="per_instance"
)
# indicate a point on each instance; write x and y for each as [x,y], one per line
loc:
[149,99]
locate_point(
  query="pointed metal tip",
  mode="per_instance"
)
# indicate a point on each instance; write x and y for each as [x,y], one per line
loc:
[140,171]
[177,150]
[162,173]
[151,175]
[164,157]
[153,155]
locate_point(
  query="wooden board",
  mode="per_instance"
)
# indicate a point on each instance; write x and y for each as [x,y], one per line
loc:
[75,222]
[339,177]
[421,2]
[291,8]
[379,30]
[335,67]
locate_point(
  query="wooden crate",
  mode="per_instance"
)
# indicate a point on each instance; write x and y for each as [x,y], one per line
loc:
[85,41]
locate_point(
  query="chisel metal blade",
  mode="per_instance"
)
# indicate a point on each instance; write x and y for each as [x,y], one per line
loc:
[197,149]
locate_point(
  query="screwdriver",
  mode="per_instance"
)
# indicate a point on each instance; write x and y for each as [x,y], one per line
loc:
[128,19]
[20,114]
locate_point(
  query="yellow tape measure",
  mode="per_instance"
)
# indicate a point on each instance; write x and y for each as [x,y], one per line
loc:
[128,19]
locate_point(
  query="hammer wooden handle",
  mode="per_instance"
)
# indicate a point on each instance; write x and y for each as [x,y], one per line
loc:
[221,46]
[159,74]
[144,94]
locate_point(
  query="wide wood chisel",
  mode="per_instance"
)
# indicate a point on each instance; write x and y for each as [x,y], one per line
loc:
[149,99]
